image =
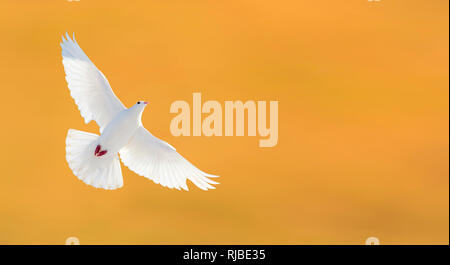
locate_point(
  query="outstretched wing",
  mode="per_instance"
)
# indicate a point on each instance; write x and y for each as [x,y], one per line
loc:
[155,159]
[88,86]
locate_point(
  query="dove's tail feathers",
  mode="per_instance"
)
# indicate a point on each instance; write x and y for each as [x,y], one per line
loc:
[98,171]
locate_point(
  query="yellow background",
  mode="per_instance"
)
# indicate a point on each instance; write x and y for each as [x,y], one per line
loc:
[363,120]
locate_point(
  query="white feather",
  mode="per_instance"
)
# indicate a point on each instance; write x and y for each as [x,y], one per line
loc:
[88,86]
[155,159]
[102,172]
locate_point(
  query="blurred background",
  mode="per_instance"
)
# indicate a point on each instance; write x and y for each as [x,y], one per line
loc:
[363,91]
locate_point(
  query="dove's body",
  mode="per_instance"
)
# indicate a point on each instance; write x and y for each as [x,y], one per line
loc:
[94,159]
[120,130]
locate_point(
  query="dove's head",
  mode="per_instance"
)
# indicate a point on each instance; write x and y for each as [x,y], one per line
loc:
[140,106]
[142,103]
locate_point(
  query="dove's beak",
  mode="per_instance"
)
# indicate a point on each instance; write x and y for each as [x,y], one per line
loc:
[145,102]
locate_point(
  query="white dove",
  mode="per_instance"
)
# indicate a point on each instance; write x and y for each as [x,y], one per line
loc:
[94,159]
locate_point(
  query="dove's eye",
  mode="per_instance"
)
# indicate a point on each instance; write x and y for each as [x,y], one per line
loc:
[138,102]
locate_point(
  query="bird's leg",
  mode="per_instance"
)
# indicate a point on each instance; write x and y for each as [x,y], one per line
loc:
[99,152]
[102,153]
[97,149]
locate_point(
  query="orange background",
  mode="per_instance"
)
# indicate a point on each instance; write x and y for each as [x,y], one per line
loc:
[363,120]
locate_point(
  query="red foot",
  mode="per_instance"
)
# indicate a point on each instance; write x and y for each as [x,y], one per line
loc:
[97,149]
[99,152]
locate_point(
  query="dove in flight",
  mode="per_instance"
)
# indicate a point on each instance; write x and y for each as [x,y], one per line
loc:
[93,158]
